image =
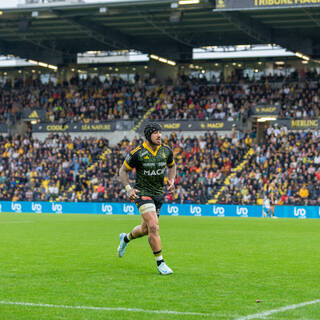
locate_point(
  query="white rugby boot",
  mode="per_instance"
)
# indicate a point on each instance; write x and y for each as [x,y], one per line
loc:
[122,245]
[164,269]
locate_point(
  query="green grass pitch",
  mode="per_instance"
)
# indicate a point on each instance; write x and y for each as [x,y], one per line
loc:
[221,267]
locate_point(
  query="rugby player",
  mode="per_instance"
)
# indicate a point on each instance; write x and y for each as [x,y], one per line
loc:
[150,161]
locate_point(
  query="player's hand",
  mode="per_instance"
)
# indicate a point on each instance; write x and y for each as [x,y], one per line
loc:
[170,186]
[133,194]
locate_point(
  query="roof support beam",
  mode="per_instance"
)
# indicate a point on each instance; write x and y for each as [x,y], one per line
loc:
[263,34]
[30,51]
[111,38]
[115,40]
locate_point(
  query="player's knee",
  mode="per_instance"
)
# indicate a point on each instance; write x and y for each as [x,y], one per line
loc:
[153,228]
[144,229]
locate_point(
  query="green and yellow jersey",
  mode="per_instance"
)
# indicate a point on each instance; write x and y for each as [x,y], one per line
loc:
[150,167]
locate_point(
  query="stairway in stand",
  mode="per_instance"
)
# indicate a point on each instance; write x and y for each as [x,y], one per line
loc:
[234,171]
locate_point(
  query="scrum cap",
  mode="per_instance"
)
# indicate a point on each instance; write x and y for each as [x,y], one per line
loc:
[150,128]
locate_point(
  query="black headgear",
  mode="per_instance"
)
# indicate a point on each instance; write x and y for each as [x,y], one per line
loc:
[150,128]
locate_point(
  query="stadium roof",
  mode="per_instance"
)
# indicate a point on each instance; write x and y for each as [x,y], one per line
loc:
[55,33]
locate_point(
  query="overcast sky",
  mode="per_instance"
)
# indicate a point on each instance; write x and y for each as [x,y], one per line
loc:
[13,3]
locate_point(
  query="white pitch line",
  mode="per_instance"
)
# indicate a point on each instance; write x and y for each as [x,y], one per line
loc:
[30,304]
[282,309]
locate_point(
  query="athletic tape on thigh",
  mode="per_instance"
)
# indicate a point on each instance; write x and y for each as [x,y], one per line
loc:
[147,207]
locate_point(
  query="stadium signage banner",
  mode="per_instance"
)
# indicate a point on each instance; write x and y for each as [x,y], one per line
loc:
[168,209]
[304,124]
[298,212]
[265,110]
[224,5]
[110,208]
[300,124]
[74,127]
[196,125]
[33,114]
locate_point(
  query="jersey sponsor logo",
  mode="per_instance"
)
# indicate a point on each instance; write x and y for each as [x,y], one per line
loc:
[218,211]
[242,211]
[128,208]
[57,208]
[16,207]
[146,157]
[146,198]
[36,207]
[195,210]
[144,153]
[158,172]
[300,212]
[163,156]
[162,163]
[174,210]
[149,164]
[106,208]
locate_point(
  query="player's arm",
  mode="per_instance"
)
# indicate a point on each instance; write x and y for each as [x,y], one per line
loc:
[171,176]
[172,170]
[124,177]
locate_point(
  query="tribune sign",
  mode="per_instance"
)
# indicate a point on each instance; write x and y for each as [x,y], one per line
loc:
[224,5]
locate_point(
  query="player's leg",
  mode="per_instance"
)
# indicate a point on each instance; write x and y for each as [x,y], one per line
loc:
[152,222]
[137,232]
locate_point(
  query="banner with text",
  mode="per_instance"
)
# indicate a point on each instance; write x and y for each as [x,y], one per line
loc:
[299,212]
[185,125]
[299,124]
[74,127]
[197,210]
[223,5]
[128,209]
[265,110]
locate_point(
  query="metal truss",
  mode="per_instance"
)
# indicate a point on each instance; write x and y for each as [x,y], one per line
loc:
[263,34]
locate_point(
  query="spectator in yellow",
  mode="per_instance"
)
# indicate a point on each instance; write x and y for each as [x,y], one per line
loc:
[248,141]
[304,192]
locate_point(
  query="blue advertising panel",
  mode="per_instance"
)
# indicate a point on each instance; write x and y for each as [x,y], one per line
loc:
[299,212]
[211,210]
[109,208]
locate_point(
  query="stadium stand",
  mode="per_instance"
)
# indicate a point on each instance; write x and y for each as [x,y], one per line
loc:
[230,167]
[64,169]
[286,167]
[93,101]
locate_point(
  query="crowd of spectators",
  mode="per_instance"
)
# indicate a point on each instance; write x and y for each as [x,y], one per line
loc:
[285,168]
[87,169]
[58,168]
[92,100]
[189,99]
